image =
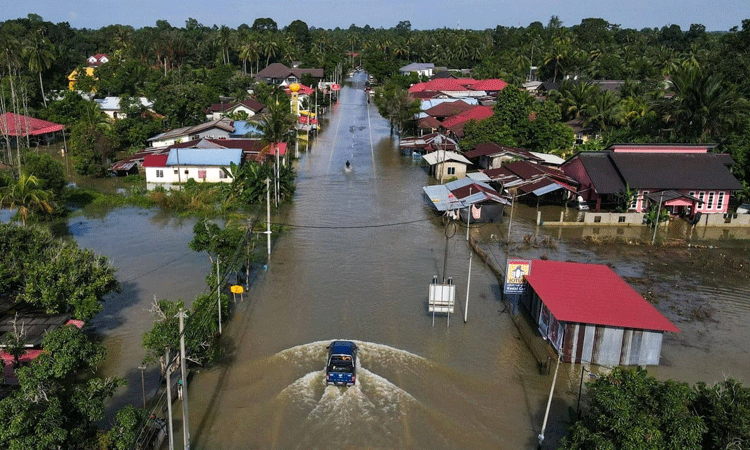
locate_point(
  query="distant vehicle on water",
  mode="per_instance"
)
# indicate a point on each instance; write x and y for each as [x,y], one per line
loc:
[341,368]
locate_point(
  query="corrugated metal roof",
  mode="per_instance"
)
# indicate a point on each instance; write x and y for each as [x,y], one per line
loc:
[593,294]
[475,113]
[113,103]
[442,198]
[19,125]
[602,172]
[155,161]
[461,193]
[427,104]
[675,171]
[204,157]
[222,124]
[439,156]
[548,158]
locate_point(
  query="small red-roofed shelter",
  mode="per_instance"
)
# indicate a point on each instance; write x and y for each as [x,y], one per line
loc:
[14,127]
[589,314]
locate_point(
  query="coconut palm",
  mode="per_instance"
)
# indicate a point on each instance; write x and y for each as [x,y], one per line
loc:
[277,126]
[561,48]
[249,51]
[25,195]
[604,111]
[270,47]
[40,54]
[224,40]
[703,106]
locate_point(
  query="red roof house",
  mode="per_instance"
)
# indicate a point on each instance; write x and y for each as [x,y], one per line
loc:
[455,124]
[590,314]
[18,125]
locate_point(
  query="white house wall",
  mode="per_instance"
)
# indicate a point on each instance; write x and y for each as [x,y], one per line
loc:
[212,175]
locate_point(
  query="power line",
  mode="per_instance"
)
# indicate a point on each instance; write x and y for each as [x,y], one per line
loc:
[342,227]
[156,268]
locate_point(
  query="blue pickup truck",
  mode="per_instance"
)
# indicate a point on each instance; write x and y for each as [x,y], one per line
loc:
[341,368]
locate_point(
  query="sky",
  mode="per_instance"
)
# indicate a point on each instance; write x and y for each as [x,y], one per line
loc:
[717,15]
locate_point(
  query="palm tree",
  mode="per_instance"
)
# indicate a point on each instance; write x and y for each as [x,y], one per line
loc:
[277,125]
[560,50]
[249,50]
[223,40]
[270,46]
[40,55]
[603,111]
[574,98]
[703,106]
[24,195]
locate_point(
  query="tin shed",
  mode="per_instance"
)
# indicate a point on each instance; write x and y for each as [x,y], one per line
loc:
[590,314]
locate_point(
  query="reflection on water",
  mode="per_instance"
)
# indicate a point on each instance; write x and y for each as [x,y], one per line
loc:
[153,261]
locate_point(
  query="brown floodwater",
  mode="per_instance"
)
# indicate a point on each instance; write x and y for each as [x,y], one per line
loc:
[354,263]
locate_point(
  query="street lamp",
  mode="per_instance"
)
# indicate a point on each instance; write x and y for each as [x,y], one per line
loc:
[143,385]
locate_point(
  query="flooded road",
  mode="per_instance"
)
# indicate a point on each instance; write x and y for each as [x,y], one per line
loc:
[354,262]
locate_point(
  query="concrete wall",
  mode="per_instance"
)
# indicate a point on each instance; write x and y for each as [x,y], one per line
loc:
[212,175]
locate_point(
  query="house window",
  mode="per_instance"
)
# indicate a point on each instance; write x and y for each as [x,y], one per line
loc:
[720,201]
[701,197]
[621,219]
[644,200]
[202,174]
[451,170]
[159,173]
[634,203]
[222,174]
[187,172]
[176,171]
[710,204]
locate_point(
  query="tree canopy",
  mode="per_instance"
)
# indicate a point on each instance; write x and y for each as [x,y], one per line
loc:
[52,274]
[630,409]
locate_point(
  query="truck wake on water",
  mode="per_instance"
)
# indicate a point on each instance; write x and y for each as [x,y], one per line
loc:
[375,406]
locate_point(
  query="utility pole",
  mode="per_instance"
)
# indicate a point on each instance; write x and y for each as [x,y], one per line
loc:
[656,221]
[276,185]
[268,216]
[247,266]
[183,367]
[218,289]
[170,427]
[468,284]
[468,215]
[510,222]
[549,401]
[179,176]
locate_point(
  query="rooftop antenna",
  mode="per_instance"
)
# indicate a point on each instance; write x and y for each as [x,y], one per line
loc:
[458,24]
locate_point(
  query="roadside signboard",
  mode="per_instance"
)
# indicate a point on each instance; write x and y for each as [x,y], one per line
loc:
[515,272]
[335,87]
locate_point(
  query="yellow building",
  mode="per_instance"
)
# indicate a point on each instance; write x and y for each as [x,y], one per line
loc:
[73,77]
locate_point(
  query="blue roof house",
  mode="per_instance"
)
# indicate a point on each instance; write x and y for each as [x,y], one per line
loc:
[204,165]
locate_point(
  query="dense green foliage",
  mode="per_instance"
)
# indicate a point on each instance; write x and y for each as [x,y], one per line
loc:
[680,85]
[520,121]
[395,104]
[631,410]
[52,407]
[55,275]
[201,329]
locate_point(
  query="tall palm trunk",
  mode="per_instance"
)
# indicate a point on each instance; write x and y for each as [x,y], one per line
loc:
[41,85]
